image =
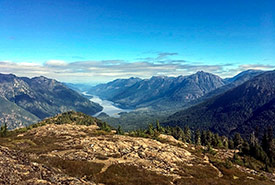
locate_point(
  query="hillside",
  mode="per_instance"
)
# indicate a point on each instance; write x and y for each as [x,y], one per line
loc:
[15,115]
[243,108]
[244,76]
[39,97]
[230,84]
[113,88]
[159,92]
[71,153]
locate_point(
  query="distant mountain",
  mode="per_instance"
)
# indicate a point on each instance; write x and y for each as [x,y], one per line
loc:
[241,109]
[111,89]
[244,76]
[160,92]
[79,87]
[230,84]
[144,91]
[38,98]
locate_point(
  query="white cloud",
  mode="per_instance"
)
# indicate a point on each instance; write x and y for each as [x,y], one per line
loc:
[257,66]
[55,63]
[102,71]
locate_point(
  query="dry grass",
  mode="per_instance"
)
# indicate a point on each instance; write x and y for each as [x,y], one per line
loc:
[122,174]
[75,168]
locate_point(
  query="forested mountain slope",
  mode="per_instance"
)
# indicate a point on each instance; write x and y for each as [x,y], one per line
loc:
[243,108]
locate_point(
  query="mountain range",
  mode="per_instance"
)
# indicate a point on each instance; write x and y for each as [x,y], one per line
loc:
[241,109]
[158,92]
[26,100]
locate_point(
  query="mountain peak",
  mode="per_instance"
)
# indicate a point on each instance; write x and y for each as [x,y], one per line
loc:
[7,76]
[10,74]
[42,78]
[200,72]
[203,73]
[243,103]
[159,77]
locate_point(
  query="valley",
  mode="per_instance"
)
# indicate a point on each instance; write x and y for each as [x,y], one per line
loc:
[109,107]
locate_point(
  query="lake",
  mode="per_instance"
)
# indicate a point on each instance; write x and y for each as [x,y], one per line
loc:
[108,107]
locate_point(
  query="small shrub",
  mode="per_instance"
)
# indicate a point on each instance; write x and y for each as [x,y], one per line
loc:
[228,164]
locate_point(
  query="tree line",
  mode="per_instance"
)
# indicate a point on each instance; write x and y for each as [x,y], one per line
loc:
[3,130]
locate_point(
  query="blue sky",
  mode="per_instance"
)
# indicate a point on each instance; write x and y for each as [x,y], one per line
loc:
[157,37]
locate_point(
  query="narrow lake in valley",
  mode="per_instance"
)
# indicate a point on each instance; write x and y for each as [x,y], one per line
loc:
[109,107]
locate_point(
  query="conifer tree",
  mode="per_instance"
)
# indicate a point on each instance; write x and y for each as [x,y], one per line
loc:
[204,138]
[231,144]
[225,142]
[119,130]
[238,140]
[253,140]
[178,133]
[209,137]
[3,130]
[198,137]
[187,134]
[159,128]
[168,130]
[150,129]
[245,148]
[268,144]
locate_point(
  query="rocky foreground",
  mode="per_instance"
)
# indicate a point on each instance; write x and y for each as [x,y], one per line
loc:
[78,154]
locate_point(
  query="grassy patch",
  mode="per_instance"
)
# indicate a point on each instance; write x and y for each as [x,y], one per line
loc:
[75,168]
[198,172]
[122,174]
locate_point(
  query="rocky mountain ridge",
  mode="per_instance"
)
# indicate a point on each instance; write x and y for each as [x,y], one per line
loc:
[37,98]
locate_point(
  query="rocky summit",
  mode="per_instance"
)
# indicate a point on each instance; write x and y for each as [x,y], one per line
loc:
[85,154]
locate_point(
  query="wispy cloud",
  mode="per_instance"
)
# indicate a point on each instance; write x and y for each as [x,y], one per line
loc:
[102,71]
[159,56]
[163,55]
[257,66]
[233,70]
